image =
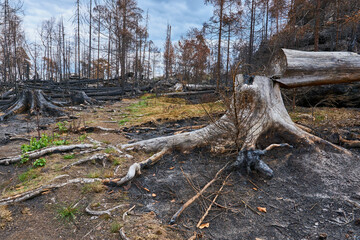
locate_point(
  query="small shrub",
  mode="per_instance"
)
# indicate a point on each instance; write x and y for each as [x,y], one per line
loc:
[62,126]
[39,162]
[115,227]
[68,212]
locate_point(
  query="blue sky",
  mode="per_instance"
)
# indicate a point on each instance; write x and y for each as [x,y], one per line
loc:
[182,15]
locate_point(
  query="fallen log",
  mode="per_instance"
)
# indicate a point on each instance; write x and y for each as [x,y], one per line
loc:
[293,68]
[33,193]
[45,151]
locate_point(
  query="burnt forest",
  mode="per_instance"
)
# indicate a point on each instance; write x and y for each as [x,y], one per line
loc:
[179,119]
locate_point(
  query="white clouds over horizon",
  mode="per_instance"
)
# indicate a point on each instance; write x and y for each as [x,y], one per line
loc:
[181,15]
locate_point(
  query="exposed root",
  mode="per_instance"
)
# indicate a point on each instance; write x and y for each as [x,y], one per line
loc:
[349,143]
[99,156]
[103,212]
[190,201]
[33,193]
[35,102]
[135,169]
[45,151]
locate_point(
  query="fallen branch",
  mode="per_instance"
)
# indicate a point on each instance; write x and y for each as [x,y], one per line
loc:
[122,234]
[98,129]
[127,213]
[99,156]
[33,193]
[99,213]
[136,168]
[214,200]
[190,201]
[45,151]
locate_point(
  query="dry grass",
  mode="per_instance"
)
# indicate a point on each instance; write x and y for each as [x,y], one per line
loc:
[324,116]
[5,216]
[170,109]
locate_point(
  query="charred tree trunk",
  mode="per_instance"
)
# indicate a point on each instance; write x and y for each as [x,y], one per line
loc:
[33,101]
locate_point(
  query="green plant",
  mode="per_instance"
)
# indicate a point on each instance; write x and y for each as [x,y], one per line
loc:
[43,142]
[69,156]
[62,126]
[123,121]
[60,142]
[116,162]
[115,227]
[68,212]
[39,162]
[82,137]
[24,158]
[28,175]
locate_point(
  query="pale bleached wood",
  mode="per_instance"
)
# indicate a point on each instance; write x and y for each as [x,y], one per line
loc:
[294,68]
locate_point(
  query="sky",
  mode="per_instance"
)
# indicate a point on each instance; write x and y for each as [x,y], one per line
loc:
[181,15]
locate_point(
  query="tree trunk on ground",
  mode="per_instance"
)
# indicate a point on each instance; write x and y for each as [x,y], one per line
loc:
[300,68]
[33,101]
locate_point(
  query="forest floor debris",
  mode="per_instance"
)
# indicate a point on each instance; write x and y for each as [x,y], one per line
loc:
[301,201]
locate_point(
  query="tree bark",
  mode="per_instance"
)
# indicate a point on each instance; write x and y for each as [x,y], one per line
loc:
[300,68]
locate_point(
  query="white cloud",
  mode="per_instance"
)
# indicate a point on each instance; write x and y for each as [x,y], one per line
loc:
[181,15]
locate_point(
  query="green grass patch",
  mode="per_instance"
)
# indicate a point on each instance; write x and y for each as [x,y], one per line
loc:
[41,162]
[28,175]
[123,121]
[115,227]
[69,156]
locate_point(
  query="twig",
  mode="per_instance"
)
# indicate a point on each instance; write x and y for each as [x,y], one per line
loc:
[33,193]
[122,234]
[99,213]
[190,201]
[210,206]
[127,213]
[99,156]
[246,205]
[45,151]
[193,237]
[92,229]
[258,187]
